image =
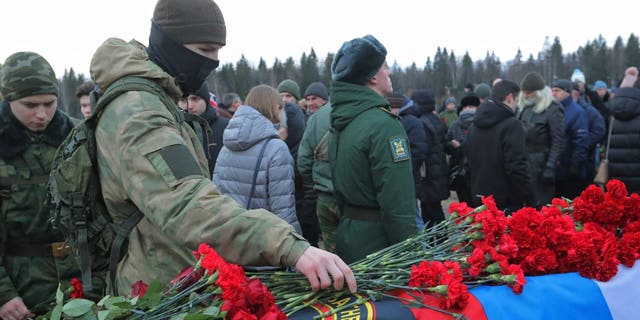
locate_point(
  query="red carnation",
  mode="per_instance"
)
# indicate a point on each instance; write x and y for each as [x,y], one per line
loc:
[77,292]
[138,289]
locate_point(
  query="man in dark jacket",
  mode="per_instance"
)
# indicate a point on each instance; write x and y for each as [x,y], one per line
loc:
[198,103]
[406,109]
[435,181]
[596,133]
[456,139]
[496,152]
[369,153]
[624,152]
[543,121]
[570,177]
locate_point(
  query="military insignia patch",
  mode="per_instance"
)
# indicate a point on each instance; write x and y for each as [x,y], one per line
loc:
[399,149]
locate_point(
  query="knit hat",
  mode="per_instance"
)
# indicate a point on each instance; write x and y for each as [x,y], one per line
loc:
[532,81]
[204,93]
[482,90]
[317,89]
[599,85]
[358,60]
[26,74]
[577,76]
[563,84]
[449,100]
[289,86]
[424,99]
[191,21]
[470,99]
[396,100]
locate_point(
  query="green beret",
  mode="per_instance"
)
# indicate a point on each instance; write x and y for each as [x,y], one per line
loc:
[358,60]
[26,74]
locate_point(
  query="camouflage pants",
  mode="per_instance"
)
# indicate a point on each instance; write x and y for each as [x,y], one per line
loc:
[328,216]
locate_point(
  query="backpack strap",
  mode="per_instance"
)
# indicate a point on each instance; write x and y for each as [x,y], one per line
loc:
[122,234]
[255,172]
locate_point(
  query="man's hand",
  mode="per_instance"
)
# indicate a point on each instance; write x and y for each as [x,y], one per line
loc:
[15,309]
[630,77]
[320,267]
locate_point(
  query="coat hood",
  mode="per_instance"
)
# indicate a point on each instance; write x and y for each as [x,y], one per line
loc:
[490,113]
[409,108]
[349,100]
[247,128]
[116,59]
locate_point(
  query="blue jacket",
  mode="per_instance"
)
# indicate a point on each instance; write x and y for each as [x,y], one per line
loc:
[243,139]
[576,125]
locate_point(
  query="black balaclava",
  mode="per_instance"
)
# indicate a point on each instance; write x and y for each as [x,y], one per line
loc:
[188,68]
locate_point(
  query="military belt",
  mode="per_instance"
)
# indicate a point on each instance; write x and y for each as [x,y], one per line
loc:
[56,249]
[362,213]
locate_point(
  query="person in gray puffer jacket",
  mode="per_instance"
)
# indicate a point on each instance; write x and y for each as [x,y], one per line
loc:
[250,128]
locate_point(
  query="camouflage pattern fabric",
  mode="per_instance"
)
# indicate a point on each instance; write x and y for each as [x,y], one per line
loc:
[26,74]
[146,163]
[24,219]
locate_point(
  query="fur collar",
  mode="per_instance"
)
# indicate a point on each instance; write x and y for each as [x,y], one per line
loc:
[14,139]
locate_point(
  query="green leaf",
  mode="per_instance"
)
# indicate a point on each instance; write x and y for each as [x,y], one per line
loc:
[152,296]
[103,300]
[59,295]
[198,316]
[113,313]
[179,316]
[115,301]
[56,313]
[212,311]
[79,308]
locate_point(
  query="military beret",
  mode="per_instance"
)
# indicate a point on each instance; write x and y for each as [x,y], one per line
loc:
[358,60]
[26,74]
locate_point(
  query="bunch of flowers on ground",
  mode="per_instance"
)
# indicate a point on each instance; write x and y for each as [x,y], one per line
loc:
[212,289]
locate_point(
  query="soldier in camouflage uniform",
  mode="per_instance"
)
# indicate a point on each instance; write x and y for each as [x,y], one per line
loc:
[34,256]
[151,163]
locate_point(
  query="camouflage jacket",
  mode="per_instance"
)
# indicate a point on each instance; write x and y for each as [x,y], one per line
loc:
[151,163]
[25,161]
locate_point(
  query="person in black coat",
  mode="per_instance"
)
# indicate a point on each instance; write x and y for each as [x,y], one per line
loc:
[406,109]
[456,139]
[624,150]
[435,179]
[198,103]
[496,152]
[543,120]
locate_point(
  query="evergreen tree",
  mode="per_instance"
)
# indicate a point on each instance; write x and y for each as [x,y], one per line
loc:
[225,79]
[244,82]
[632,52]
[326,70]
[556,63]
[466,73]
[309,70]
[617,62]
[263,74]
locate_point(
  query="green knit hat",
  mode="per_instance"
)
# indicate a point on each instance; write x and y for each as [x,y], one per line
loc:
[482,90]
[191,21]
[26,74]
[289,86]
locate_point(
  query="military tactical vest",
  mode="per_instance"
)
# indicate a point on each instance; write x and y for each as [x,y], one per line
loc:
[75,193]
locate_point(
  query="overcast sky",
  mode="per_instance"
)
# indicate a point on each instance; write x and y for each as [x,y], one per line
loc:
[67,32]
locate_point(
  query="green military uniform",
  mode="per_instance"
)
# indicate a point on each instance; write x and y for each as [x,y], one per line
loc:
[34,256]
[372,177]
[315,170]
[151,163]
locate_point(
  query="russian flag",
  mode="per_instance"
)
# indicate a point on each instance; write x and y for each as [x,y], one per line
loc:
[555,296]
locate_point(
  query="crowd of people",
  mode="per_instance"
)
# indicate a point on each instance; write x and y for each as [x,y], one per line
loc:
[351,167]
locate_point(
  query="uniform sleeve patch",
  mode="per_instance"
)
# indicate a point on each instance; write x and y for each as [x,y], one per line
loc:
[399,149]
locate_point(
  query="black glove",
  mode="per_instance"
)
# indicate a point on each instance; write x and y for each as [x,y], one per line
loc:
[549,175]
